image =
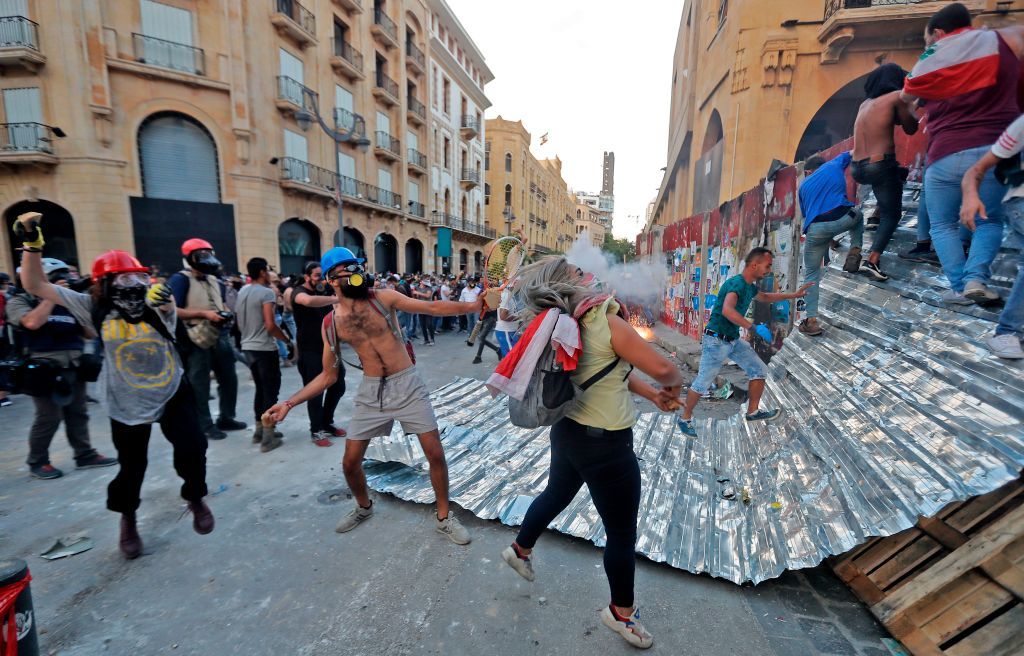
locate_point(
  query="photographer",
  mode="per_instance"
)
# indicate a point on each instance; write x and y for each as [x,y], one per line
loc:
[48,333]
[206,346]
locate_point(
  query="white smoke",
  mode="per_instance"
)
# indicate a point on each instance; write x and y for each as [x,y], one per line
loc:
[633,282]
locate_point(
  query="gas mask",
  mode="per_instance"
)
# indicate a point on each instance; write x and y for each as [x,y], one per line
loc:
[127,293]
[357,286]
[203,261]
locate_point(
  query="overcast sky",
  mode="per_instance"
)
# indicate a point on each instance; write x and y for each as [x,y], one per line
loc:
[595,75]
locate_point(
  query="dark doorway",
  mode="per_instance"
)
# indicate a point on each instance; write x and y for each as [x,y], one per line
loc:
[58,228]
[414,256]
[298,243]
[354,241]
[833,121]
[161,225]
[385,253]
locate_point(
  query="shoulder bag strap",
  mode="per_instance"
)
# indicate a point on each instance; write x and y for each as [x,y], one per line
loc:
[601,374]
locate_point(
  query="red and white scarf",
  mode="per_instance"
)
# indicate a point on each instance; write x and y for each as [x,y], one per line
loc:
[966,60]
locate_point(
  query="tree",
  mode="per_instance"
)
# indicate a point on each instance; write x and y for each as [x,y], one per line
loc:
[622,250]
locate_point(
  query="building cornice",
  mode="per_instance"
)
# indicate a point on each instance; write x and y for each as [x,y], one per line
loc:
[439,54]
[441,7]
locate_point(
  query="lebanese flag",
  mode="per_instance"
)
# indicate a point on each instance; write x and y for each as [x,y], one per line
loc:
[514,372]
[964,61]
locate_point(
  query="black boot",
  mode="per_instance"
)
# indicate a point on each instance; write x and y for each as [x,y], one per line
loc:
[202,518]
[130,542]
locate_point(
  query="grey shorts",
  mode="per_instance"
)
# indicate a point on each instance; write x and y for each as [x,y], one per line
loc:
[381,401]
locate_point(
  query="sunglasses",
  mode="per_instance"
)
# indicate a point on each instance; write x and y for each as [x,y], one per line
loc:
[337,271]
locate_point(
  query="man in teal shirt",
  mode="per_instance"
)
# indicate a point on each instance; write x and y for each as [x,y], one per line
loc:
[722,338]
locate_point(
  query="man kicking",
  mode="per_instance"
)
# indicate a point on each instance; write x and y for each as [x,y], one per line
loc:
[391,389]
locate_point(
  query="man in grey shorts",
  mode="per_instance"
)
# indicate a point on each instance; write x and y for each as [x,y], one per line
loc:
[391,390]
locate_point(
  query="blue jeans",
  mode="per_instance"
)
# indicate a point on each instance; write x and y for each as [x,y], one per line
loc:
[506,340]
[942,186]
[471,321]
[924,225]
[819,235]
[1011,320]
[714,351]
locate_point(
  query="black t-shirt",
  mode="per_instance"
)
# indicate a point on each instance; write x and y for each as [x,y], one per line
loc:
[308,321]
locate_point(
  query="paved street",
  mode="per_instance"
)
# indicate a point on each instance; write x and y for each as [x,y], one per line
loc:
[274,577]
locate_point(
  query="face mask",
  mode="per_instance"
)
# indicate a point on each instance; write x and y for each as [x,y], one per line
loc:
[204,261]
[357,286]
[129,301]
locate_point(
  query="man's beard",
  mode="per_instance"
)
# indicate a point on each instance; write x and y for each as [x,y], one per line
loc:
[358,292]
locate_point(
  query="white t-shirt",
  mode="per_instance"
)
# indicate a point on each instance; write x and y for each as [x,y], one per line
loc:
[505,304]
[470,294]
[1010,143]
[446,292]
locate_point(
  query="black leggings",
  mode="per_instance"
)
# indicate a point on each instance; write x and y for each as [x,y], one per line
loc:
[427,324]
[608,466]
[180,425]
[322,406]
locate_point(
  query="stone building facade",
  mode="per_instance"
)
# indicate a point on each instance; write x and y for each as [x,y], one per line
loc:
[135,124]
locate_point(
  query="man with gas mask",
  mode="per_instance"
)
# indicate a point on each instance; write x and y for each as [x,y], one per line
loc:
[391,388]
[311,302]
[141,376]
[205,343]
[50,338]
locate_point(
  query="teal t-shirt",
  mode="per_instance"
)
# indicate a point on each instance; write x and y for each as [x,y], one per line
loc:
[745,293]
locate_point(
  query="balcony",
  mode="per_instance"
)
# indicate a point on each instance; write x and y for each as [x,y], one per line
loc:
[346,121]
[19,43]
[370,197]
[303,177]
[385,89]
[292,95]
[442,220]
[387,147]
[384,29]
[417,209]
[470,127]
[877,24]
[415,60]
[469,179]
[417,112]
[27,143]
[346,60]
[293,20]
[351,6]
[416,161]
[168,54]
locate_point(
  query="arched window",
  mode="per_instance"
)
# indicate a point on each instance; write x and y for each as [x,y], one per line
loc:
[508,162]
[579,215]
[178,159]
[299,243]
[508,195]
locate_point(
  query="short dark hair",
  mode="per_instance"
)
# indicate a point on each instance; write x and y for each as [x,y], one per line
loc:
[757,253]
[950,18]
[310,267]
[814,162]
[256,266]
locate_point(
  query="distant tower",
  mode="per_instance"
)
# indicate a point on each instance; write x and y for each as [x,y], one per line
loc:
[608,176]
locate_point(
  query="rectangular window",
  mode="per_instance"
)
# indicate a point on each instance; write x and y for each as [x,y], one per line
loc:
[296,157]
[170,28]
[23,110]
[447,153]
[383,122]
[347,168]
[413,140]
[384,179]
[414,192]
[447,97]
[291,66]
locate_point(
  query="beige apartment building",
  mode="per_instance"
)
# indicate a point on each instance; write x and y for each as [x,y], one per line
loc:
[524,193]
[754,81]
[592,222]
[135,124]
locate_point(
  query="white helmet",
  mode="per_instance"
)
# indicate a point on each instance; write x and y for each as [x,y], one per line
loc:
[52,264]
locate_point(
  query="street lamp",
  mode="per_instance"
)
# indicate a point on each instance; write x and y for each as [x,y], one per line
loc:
[305,117]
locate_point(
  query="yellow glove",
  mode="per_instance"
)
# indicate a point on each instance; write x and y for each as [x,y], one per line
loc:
[158,295]
[27,228]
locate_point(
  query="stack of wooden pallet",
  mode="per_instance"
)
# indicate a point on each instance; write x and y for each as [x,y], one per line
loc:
[952,585]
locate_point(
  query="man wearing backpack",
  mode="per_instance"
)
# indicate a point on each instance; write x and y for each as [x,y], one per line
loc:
[205,342]
[722,337]
[391,388]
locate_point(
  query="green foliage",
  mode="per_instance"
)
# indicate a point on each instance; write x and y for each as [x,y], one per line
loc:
[619,248]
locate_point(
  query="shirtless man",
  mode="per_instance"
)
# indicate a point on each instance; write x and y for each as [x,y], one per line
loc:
[874,154]
[391,388]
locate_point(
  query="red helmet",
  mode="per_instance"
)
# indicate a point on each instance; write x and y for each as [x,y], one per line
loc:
[195,244]
[113,262]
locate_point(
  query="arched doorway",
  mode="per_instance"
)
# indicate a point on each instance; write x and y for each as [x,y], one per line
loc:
[178,159]
[298,242]
[463,260]
[833,121]
[465,210]
[354,241]
[59,231]
[414,256]
[708,172]
[385,253]
[478,262]
[447,202]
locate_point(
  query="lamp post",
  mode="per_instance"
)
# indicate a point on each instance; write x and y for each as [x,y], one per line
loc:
[305,117]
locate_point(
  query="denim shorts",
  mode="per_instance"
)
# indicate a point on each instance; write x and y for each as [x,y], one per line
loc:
[713,353]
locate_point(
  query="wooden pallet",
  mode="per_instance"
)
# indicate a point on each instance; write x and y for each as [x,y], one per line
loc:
[952,585]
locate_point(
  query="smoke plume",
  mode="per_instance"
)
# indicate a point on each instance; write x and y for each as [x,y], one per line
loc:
[633,282]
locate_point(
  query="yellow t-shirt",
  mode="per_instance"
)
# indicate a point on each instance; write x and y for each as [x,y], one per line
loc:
[608,403]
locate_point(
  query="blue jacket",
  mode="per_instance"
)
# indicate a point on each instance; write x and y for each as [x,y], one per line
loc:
[825,189]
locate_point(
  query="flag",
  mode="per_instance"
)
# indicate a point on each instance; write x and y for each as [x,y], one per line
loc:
[543,138]
[967,60]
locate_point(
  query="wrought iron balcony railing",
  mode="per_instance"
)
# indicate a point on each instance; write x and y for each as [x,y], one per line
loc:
[458,223]
[26,137]
[832,6]
[346,120]
[417,108]
[389,143]
[296,170]
[386,83]
[342,48]
[294,92]
[417,158]
[417,209]
[18,32]
[360,190]
[470,123]
[470,175]
[302,17]
[385,23]
[415,54]
[169,54]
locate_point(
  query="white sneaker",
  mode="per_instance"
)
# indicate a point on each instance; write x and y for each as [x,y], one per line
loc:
[524,567]
[630,629]
[453,529]
[979,291]
[354,518]
[952,297]
[1005,346]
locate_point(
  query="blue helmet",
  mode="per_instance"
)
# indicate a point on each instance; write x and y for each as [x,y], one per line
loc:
[338,255]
